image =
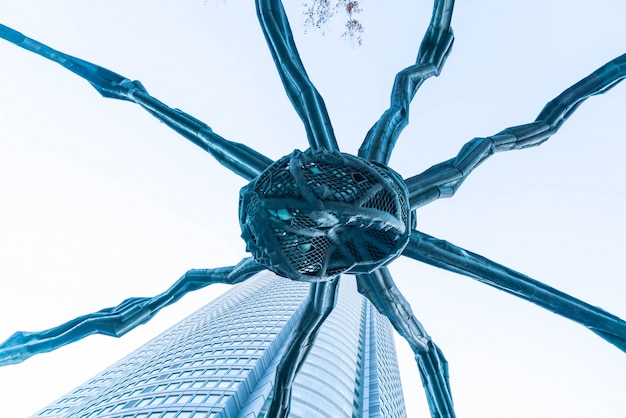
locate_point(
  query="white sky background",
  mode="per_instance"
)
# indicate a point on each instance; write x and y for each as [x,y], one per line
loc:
[100,202]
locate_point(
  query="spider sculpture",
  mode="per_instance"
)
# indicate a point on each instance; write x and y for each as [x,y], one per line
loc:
[316,214]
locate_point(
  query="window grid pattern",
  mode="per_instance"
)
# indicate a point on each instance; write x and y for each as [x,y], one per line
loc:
[220,362]
[325,385]
[391,399]
[198,367]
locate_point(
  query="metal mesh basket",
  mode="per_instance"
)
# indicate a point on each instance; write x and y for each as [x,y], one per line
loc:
[315,214]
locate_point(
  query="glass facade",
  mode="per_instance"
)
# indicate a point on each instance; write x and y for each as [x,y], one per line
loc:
[220,362]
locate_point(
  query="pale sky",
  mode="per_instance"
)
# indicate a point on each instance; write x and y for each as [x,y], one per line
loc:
[101,202]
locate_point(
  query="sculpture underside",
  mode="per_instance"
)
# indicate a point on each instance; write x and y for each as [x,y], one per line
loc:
[325,227]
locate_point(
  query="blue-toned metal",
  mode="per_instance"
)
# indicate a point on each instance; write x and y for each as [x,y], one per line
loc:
[448,256]
[120,319]
[303,95]
[434,49]
[238,158]
[442,180]
[315,214]
[380,289]
[321,300]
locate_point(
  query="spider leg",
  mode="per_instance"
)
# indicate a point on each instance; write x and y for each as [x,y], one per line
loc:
[238,158]
[448,256]
[380,289]
[442,180]
[118,320]
[303,95]
[434,49]
[319,304]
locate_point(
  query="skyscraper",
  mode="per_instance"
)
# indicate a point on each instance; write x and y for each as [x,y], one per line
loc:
[220,362]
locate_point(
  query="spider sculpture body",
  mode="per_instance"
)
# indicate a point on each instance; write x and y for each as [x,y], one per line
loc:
[316,214]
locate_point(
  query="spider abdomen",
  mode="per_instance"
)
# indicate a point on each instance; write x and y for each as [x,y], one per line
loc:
[315,214]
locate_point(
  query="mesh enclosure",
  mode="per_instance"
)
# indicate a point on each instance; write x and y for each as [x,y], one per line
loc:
[315,214]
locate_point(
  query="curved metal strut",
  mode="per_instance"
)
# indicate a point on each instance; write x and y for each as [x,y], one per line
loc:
[120,319]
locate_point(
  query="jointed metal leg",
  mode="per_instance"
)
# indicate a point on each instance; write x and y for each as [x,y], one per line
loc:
[305,98]
[122,318]
[319,304]
[448,256]
[442,180]
[380,289]
[434,50]
[238,158]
